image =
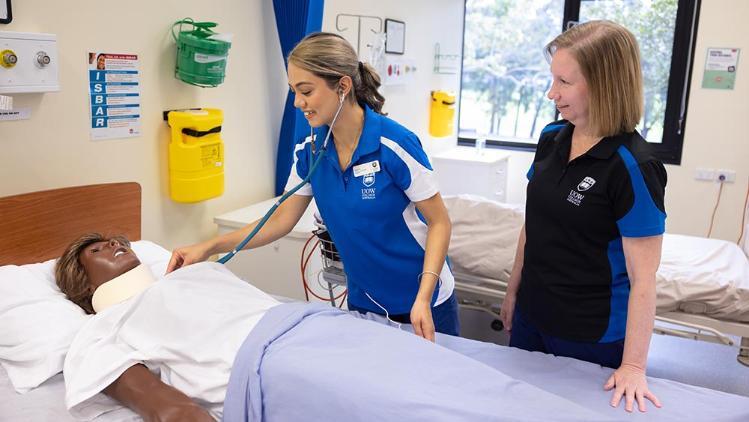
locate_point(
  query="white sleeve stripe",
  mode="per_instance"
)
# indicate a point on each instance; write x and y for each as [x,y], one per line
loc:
[294,177]
[419,232]
[423,183]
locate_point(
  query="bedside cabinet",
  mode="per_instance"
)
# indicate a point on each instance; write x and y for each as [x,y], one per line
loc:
[274,268]
[464,170]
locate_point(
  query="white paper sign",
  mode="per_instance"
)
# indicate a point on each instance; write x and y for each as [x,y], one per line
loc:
[22,113]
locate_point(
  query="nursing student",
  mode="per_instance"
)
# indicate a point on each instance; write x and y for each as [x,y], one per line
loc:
[583,282]
[374,188]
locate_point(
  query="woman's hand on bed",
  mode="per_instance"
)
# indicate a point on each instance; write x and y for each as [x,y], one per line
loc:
[507,311]
[421,320]
[186,255]
[631,383]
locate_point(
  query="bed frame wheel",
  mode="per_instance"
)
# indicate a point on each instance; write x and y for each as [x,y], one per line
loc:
[497,325]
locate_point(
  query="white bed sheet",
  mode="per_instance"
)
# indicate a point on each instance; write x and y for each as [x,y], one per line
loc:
[46,403]
[697,275]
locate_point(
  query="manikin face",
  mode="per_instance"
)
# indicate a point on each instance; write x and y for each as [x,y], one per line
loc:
[313,96]
[106,260]
[569,89]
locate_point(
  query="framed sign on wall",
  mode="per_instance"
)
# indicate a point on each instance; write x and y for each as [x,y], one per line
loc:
[5,13]
[395,41]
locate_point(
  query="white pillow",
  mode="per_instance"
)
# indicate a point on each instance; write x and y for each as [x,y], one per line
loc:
[37,322]
[484,236]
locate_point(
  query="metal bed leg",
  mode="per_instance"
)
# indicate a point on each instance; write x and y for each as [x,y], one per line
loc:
[743,356]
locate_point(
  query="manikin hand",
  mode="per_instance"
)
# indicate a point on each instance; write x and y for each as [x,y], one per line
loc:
[421,319]
[630,382]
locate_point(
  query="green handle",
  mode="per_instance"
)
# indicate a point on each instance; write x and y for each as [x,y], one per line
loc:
[203,29]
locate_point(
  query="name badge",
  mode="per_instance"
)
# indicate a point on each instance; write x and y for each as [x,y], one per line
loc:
[367,168]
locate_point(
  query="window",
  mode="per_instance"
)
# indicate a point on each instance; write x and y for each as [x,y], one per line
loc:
[505,76]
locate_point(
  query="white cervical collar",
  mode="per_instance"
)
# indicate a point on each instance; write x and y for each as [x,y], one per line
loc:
[121,288]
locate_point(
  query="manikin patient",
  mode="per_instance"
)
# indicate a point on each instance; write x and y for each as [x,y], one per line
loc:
[165,348]
[85,267]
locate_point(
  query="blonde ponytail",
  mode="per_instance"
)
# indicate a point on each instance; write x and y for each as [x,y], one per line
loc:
[330,57]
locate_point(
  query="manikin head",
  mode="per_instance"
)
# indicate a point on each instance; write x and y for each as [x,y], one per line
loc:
[90,261]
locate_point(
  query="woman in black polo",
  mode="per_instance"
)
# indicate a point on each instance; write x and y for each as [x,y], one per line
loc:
[583,282]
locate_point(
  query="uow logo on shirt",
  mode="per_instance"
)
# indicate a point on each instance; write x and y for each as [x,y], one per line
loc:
[368,192]
[368,179]
[586,184]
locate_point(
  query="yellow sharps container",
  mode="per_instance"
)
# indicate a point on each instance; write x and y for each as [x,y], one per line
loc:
[442,113]
[196,155]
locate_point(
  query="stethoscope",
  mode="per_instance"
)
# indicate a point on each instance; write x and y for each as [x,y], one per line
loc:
[319,155]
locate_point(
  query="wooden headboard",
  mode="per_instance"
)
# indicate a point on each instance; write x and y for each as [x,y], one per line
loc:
[38,226]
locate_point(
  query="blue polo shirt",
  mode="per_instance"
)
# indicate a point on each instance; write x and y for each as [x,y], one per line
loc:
[370,213]
[574,283]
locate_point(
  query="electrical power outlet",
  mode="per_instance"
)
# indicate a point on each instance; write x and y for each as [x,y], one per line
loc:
[725,175]
[705,174]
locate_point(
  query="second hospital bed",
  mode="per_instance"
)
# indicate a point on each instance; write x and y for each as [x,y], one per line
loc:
[702,284]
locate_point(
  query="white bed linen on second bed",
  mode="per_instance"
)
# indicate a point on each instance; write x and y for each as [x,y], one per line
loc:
[697,275]
[703,276]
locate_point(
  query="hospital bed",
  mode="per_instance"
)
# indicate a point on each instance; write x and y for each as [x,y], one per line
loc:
[38,226]
[702,284]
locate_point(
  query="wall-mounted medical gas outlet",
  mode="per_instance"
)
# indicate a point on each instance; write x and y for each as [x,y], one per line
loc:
[712,175]
[28,62]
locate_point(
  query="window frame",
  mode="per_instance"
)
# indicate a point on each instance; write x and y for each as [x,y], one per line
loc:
[669,150]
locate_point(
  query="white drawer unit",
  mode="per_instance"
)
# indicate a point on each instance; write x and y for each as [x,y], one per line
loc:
[465,170]
[274,268]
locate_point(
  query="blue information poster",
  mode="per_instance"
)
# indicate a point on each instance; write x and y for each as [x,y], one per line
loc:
[114,95]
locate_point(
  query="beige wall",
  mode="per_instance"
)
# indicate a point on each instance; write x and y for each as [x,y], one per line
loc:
[53,149]
[716,134]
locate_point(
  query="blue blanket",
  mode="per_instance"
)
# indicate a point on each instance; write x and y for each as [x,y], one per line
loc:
[314,362]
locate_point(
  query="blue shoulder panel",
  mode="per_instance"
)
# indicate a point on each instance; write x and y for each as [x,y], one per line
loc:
[644,218]
[552,128]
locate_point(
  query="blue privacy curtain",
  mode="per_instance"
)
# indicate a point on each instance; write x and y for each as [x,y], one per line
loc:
[294,20]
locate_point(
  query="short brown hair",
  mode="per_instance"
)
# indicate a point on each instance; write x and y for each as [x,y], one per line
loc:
[70,275]
[609,58]
[330,57]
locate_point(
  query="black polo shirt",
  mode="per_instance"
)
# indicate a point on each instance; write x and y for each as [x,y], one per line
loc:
[574,282]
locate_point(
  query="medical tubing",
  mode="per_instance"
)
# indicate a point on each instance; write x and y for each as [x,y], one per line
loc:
[743,215]
[301,266]
[307,287]
[224,259]
[344,299]
[712,218]
[387,314]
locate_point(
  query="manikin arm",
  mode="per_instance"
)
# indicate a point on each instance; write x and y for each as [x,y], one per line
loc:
[144,393]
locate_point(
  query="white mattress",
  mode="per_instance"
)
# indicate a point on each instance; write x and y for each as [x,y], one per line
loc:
[696,275]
